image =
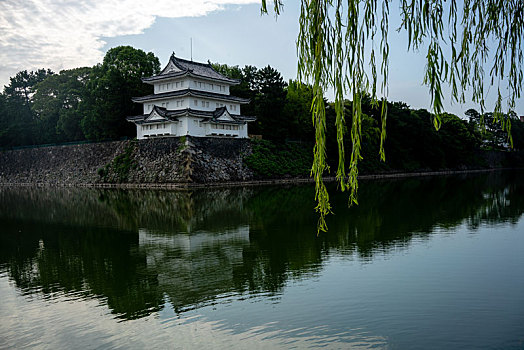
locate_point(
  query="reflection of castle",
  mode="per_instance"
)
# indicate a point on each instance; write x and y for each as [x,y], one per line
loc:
[190,243]
[194,268]
[135,249]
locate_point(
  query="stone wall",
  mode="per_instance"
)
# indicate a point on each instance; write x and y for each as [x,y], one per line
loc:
[61,165]
[165,160]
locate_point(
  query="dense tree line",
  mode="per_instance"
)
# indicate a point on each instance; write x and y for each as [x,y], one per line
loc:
[91,103]
[88,103]
[284,114]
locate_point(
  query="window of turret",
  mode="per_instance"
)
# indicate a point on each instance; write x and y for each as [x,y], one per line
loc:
[196,103]
[182,83]
[207,104]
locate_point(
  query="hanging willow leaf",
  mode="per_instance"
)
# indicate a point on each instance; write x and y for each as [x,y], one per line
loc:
[335,36]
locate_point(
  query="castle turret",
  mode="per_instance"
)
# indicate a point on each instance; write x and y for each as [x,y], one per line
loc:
[190,98]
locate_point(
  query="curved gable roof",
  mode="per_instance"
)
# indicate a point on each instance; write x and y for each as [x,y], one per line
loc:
[190,92]
[173,115]
[178,67]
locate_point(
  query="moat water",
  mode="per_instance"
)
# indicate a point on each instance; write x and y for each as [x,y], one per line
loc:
[421,263]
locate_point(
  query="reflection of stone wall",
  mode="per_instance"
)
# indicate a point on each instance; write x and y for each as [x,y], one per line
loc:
[137,249]
[166,160]
[68,206]
[159,210]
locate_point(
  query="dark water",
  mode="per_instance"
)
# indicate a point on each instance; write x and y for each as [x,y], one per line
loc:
[421,263]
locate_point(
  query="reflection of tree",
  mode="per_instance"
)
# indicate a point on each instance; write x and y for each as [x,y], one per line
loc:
[138,249]
[98,262]
[503,201]
[127,209]
[392,211]
[62,205]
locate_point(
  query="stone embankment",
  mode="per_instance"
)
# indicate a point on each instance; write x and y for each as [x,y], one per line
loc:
[157,161]
[169,163]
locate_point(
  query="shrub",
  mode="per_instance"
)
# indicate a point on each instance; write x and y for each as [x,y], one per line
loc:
[272,160]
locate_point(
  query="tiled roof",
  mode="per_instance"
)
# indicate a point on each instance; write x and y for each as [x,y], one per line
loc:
[204,70]
[211,116]
[190,92]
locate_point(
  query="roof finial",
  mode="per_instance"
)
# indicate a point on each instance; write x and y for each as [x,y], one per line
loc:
[173,55]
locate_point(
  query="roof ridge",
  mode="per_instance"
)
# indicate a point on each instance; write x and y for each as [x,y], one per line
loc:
[194,92]
[177,61]
[193,62]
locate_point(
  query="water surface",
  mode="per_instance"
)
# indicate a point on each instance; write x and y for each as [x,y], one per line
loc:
[430,263]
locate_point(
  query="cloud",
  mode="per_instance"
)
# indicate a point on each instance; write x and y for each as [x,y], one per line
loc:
[62,34]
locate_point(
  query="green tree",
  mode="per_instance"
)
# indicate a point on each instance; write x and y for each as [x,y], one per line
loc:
[17,118]
[269,104]
[517,131]
[109,92]
[56,104]
[338,38]
[4,121]
[458,141]
[233,72]
[492,134]
[246,88]
[297,111]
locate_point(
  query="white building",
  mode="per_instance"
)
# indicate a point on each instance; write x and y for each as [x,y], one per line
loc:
[190,98]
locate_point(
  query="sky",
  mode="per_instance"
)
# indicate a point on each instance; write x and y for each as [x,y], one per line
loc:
[64,34]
